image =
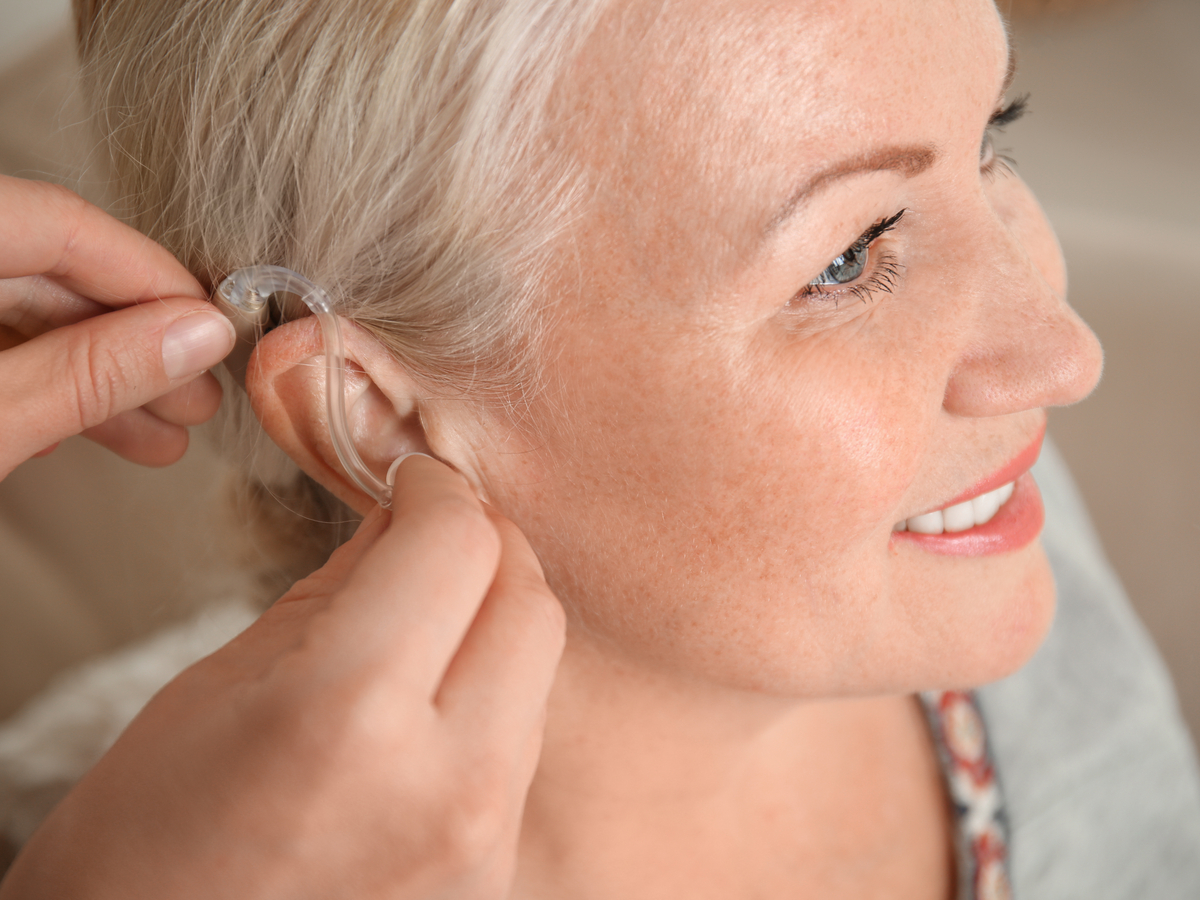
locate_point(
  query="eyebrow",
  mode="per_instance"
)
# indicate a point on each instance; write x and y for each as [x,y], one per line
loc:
[908,161]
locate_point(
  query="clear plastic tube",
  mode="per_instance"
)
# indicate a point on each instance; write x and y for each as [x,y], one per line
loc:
[248,289]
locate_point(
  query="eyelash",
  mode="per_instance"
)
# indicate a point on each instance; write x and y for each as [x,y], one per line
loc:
[1001,164]
[886,269]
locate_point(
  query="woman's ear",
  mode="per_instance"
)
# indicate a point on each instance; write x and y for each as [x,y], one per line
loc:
[285,379]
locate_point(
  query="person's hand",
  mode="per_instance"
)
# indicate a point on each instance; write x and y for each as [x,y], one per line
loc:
[102,331]
[374,734]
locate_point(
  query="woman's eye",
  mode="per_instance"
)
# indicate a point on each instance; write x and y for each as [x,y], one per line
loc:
[989,160]
[854,273]
[853,262]
[847,267]
[987,151]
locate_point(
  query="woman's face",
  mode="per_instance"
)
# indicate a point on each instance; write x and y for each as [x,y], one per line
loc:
[713,477]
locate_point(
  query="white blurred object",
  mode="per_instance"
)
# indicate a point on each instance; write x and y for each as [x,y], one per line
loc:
[64,731]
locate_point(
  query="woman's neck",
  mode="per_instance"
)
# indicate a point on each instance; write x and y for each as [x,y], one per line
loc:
[655,786]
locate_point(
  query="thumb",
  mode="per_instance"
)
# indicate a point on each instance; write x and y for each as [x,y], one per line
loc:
[79,376]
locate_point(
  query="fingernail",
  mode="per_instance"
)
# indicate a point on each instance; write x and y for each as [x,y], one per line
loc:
[196,342]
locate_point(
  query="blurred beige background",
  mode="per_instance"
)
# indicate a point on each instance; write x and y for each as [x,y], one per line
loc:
[95,552]
[1111,148]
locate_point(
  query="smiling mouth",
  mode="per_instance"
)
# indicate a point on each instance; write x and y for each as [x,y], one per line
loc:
[961,516]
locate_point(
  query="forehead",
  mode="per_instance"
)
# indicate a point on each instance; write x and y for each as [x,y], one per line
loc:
[696,118]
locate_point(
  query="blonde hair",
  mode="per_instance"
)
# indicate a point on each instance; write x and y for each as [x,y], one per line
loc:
[393,151]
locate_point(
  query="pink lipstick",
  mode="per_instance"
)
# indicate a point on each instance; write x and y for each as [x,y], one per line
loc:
[999,514]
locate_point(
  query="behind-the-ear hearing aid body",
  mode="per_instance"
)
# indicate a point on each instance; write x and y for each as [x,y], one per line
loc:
[247,290]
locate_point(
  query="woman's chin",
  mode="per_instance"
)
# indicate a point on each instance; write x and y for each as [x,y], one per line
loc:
[1014,616]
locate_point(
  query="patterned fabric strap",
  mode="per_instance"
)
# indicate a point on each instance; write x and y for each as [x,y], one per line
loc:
[982,834]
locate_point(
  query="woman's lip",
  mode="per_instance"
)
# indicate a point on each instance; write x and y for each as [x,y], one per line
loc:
[1016,524]
[1018,466]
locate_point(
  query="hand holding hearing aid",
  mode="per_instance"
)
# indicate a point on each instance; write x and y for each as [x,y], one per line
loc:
[102,332]
[374,734]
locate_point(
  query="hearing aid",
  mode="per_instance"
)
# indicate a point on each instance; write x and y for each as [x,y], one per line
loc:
[248,290]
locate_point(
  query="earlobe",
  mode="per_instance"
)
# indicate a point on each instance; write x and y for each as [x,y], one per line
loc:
[286,383]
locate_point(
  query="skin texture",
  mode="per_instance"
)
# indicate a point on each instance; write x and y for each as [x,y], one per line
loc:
[269,769]
[85,303]
[712,478]
[768,449]
[710,483]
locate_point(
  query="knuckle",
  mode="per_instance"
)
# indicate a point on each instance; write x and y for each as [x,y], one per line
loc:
[546,611]
[529,591]
[318,726]
[70,209]
[99,380]
[336,713]
[475,823]
[555,618]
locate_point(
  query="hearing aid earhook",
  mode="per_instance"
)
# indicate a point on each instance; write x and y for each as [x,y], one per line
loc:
[247,290]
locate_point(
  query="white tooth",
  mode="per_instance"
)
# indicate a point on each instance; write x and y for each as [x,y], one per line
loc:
[930,523]
[985,506]
[1005,492]
[959,517]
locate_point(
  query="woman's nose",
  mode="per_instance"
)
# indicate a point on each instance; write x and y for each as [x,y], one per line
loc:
[1027,347]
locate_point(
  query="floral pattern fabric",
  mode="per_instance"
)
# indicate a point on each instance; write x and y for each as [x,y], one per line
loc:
[961,739]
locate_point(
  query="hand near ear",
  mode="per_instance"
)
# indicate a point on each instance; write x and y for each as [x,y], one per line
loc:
[373,734]
[385,416]
[102,332]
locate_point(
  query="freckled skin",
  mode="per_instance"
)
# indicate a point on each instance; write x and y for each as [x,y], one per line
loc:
[716,472]
[712,476]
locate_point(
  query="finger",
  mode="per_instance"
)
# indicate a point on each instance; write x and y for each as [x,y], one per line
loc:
[34,305]
[189,404]
[141,438]
[48,230]
[501,676]
[290,621]
[412,597]
[77,377]
[332,576]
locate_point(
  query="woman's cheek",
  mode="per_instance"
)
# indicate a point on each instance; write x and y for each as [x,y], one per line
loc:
[861,419]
